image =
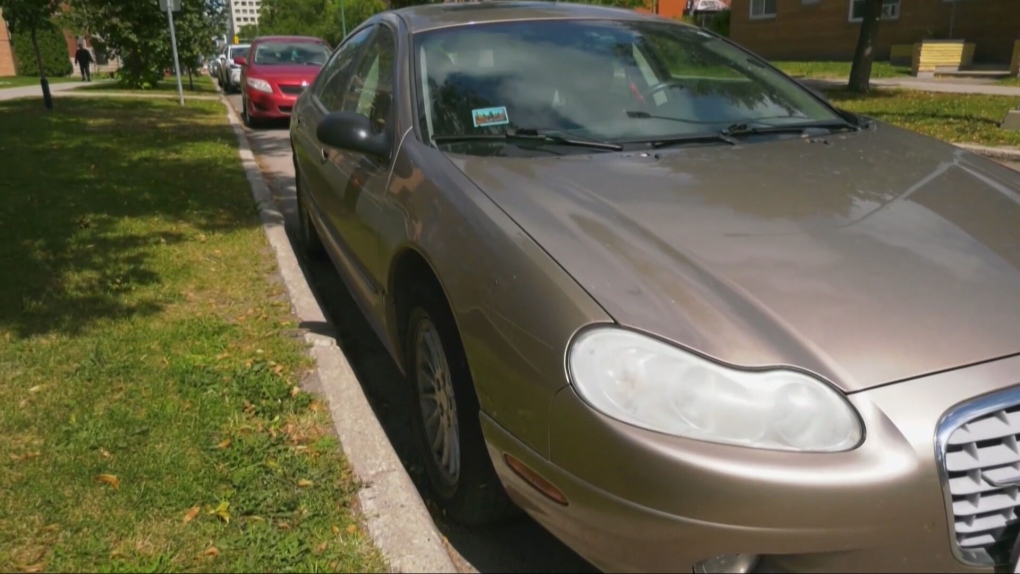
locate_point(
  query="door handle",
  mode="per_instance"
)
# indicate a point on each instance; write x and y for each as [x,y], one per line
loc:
[324,155]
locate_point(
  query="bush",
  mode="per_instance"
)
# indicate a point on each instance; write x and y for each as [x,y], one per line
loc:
[718,22]
[52,47]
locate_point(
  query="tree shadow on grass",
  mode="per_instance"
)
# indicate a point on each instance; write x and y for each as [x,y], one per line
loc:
[92,191]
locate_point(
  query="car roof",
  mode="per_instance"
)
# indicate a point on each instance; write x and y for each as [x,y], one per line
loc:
[430,16]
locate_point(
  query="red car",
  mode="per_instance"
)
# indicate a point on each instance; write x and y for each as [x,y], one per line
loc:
[277,70]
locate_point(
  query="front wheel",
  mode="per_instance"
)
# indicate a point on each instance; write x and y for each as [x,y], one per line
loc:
[246,117]
[444,418]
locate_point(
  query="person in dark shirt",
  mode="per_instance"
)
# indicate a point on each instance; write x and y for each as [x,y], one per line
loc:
[84,60]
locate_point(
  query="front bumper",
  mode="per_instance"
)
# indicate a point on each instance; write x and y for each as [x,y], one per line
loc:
[269,106]
[644,502]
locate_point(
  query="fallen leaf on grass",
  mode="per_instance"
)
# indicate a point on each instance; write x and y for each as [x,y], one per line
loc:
[110,479]
[191,514]
[222,511]
[37,388]
[335,529]
[212,551]
[33,568]
[305,483]
[352,529]
[104,453]
[224,443]
[295,391]
[322,547]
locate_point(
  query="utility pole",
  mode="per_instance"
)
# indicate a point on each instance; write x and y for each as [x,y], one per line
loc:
[171,6]
[343,18]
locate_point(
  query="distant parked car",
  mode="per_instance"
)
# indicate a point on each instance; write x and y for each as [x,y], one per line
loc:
[229,70]
[691,316]
[276,73]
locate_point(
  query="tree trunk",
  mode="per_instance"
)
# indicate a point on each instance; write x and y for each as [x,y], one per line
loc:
[43,82]
[860,72]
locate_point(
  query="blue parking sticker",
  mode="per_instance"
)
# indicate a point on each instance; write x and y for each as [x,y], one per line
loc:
[490,117]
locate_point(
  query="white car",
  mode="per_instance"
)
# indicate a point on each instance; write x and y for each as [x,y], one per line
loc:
[229,72]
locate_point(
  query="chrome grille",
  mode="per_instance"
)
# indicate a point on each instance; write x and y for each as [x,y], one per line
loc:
[979,454]
[292,90]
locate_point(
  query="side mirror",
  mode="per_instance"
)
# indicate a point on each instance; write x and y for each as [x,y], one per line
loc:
[241,61]
[352,131]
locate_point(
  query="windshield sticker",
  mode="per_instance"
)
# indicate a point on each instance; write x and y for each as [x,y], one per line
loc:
[490,117]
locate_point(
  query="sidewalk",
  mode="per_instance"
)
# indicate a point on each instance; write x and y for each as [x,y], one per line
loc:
[36,90]
[926,85]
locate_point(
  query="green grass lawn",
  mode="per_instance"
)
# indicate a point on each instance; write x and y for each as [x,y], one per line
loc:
[839,70]
[21,81]
[150,418]
[957,118]
[202,85]
[1011,81]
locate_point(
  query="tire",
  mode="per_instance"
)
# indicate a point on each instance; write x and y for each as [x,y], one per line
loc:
[246,118]
[468,490]
[309,242]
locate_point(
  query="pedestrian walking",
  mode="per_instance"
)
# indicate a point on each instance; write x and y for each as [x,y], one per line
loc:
[84,60]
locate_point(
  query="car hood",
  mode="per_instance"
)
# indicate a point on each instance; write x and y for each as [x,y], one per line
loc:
[865,258]
[276,73]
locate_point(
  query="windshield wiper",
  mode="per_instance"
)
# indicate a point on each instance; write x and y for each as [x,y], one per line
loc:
[528,134]
[742,129]
[643,115]
[703,137]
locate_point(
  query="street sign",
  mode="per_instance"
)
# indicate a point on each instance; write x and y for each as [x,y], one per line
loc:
[175,5]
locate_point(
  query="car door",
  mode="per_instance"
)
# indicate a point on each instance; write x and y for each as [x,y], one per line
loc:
[325,95]
[361,178]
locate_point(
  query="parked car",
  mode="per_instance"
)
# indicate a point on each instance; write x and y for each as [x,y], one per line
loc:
[211,66]
[278,70]
[230,71]
[686,312]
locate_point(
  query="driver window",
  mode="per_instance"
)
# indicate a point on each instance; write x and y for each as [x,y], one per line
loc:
[335,74]
[370,92]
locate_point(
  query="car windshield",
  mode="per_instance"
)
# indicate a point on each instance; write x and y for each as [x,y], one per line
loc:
[610,81]
[239,52]
[291,53]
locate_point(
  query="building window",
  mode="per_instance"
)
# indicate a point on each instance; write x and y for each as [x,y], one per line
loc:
[763,9]
[890,10]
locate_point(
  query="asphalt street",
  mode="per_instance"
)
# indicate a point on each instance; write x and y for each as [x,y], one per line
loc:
[518,546]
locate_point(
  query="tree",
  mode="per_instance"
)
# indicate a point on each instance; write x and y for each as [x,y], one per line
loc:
[137,32]
[32,16]
[320,18]
[864,55]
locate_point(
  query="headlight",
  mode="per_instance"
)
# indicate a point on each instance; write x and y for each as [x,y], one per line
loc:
[647,383]
[260,85]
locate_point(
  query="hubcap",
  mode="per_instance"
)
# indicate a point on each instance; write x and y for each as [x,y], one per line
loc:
[437,402]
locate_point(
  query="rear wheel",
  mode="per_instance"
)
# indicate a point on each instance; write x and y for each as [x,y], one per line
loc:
[309,242]
[444,417]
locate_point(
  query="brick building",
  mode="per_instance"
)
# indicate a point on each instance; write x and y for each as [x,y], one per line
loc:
[6,50]
[828,29]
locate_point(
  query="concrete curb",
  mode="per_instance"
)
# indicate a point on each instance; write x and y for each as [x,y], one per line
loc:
[395,514]
[1003,153]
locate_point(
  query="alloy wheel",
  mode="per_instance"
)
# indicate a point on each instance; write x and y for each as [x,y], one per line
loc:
[437,402]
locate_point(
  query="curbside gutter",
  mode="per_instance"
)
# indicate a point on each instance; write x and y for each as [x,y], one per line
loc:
[998,152]
[395,514]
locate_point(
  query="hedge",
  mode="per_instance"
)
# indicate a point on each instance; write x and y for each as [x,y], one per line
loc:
[52,46]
